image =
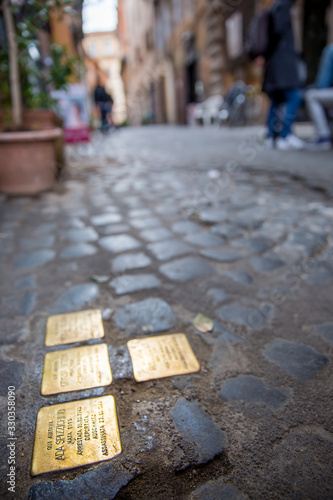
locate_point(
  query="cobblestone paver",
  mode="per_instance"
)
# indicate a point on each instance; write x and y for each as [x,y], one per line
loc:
[153,237]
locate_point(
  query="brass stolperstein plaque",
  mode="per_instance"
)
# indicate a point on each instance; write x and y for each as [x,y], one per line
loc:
[76,369]
[163,356]
[74,327]
[73,434]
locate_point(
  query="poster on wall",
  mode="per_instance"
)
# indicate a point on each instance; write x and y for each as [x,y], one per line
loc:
[72,105]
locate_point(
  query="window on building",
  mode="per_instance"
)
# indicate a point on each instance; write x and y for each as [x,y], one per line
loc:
[92,49]
[234,35]
[107,48]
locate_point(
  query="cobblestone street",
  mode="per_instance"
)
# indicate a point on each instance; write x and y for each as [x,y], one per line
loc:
[153,226]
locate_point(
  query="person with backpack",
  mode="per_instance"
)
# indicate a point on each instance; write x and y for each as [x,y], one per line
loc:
[281,80]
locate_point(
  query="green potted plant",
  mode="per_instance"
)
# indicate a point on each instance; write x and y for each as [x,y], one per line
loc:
[30,131]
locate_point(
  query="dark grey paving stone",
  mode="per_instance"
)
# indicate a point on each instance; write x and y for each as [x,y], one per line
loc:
[185,227]
[325,331]
[217,295]
[75,297]
[266,264]
[217,490]
[104,219]
[165,250]
[11,373]
[185,269]
[48,227]
[13,306]
[306,241]
[103,483]
[37,243]
[119,243]
[221,255]
[130,261]
[143,223]
[226,230]
[80,250]
[225,336]
[157,234]
[321,274]
[128,283]
[253,390]
[256,244]
[204,239]
[76,224]
[121,363]
[297,360]
[114,229]
[250,218]
[238,276]
[247,316]
[213,215]
[154,312]
[196,427]
[33,259]
[81,235]
[26,283]
[140,212]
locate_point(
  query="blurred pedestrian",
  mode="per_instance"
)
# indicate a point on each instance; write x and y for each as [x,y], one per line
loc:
[101,101]
[319,100]
[281,81]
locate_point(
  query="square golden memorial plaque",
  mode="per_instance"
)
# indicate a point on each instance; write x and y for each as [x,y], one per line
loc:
[163,356]
[74,327]
[73,434]
[76,369]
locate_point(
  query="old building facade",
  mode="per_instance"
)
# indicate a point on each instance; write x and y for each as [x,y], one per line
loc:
[179,52]
[103,63]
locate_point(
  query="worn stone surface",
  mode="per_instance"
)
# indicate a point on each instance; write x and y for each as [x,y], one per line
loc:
[99,484]
[218,295]
[204,239]
[246,316]
[160,233]
[79,250]
[28,244]
[153,312]
[34,259]
[253,390]
[25,283]
[75,298]
[217,490]
[266,264]
[11,374]
[325,331]
[133,283]
[130,261]
[142,223]
[185,269]
[185,227]
[81,235]
[239,277]
[119,243]
[195,425]
[168,249]
[14,306]
[221,255]
[298,360]
[104,219]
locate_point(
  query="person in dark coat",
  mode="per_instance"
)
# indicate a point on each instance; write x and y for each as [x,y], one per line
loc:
[101,101]
[281,81]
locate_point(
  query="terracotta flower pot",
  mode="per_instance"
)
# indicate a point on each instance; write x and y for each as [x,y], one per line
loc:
[27,161]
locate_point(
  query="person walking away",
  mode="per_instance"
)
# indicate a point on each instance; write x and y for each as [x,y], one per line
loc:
[320,99]
[281,80]
[100,97]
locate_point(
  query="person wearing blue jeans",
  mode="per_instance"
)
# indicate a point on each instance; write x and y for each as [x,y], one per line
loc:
[281,81]
[282,114]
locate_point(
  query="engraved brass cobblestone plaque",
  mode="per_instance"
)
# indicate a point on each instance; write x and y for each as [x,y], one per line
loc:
[76,369]
[162,356]
[74,327]
[73,434]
